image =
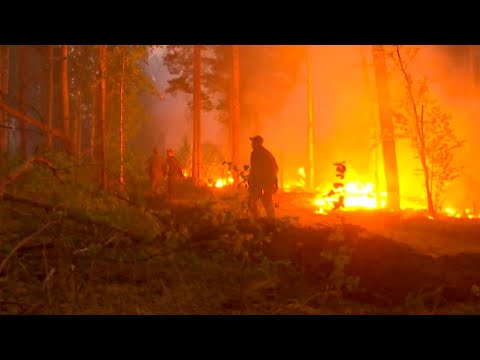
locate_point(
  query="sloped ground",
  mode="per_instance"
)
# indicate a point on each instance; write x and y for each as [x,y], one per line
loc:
[436,262]
[198,254]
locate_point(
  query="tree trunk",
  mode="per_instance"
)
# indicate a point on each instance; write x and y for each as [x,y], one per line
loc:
[93,124]
[80,132]
[367,89]
[386,128]
[423,158]
[102,115]
[22,98]
[426,174]
[4,86]
[311,129]
[16,114]
[2,98]
[419,135]
[65,97]
[430,204]
[51,69]
[197,66]
[235,98]
[122,137]
[76,127]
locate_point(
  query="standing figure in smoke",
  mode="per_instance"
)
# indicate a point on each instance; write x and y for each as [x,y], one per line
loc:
[155,170]
[262,180]
[173,170]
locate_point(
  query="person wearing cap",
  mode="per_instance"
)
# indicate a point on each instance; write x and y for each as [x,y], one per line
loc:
[155,170]
[262,180]
[173,170]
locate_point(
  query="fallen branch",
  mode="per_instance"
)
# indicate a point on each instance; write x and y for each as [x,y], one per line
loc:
[71,215]
[49,165]
[31,121]
[23,242]
[128,201]
[23,168]
[47,279]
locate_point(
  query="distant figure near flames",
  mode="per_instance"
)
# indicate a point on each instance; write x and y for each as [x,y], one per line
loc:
[262,180]
[155,170]
[173,170]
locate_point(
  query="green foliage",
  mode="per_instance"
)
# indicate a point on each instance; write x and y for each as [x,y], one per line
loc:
[125,67]
[241,173]
[201,259]
[264,70]
[179,62]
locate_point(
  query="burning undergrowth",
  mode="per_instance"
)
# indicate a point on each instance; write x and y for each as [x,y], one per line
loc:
[351,192]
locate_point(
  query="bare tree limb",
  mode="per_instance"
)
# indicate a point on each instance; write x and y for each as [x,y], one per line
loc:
[420,136]
[15,128]
[23,242]
[71,215]
[28,120]
[128,201]
[408,81]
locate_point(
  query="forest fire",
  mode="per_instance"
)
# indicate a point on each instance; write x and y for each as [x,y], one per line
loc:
[354,195]
[357,195]
[375,207]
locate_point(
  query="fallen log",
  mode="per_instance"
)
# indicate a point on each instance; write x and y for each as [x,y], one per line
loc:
[71,215]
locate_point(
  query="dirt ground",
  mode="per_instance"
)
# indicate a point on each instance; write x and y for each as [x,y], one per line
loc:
[445,236]
[398,256]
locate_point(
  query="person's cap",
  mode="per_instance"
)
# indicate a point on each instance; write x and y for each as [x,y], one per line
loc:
[257,138]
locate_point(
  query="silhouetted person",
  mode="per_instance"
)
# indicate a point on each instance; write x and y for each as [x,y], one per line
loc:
[262,180]
[173,170]
[155,170]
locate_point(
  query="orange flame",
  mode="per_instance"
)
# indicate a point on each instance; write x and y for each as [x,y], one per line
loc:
[356,195]
[363,195]
[222,182]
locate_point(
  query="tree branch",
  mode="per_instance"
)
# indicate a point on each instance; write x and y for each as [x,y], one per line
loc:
[23,242]
[71,215]
[23,168]
[28,120]
[409,88]
[420,136]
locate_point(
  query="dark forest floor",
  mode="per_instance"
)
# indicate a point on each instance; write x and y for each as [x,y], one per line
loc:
[200,254]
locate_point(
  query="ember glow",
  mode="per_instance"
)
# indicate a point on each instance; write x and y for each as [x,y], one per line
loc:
[220,183]
[465,214]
